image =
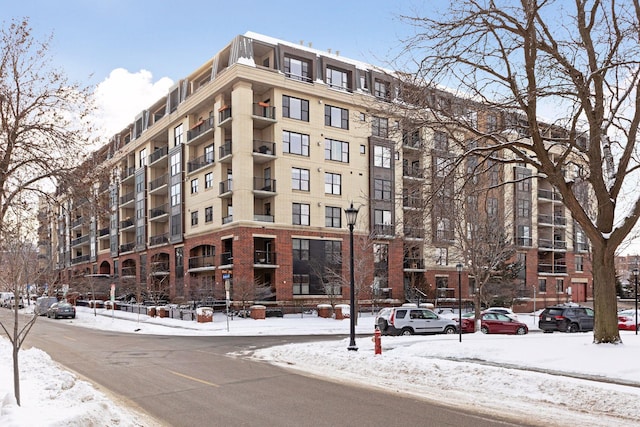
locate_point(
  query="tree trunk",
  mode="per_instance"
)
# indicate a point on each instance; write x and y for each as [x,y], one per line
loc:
[604,297]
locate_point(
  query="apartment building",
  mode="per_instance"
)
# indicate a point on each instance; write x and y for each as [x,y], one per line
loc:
[240,177]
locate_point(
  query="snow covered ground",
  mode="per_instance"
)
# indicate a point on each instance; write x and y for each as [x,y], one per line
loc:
[550,379]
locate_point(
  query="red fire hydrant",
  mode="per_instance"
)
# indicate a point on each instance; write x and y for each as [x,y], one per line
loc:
[377,342]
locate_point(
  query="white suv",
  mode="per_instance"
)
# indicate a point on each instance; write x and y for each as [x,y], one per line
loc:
[411,320]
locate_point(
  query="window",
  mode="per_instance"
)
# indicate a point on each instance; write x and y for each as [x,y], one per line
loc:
[332,183]
[579,263]
[492,206]
[142,157]
[295,143]
[542,285]
[559,286]
[524,208]
[443,166]
[175,195]
[381,89]
[300,179]
[178,135]
[295,108]
[380,127]
[492,123]
[337,79]
[382,157]
[336,150]
[194,218]
[440,141]
[297,69]
[139,183]
[194,186]
[301,214]
[208,214]
[442,256]
[523,236]
[301,284]
[332,217]
[208,180]
[175,164]
[382,217]
[523,179]
[300,249]
[381,189]
[208,153]
[336,117]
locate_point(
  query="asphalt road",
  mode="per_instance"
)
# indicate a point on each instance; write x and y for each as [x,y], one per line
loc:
[206,381]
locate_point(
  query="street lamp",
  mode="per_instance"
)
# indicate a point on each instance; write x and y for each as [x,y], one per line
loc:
[352,214]
[459,268]
[635,276]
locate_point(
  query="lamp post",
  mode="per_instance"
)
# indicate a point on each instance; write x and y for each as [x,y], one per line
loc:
[352,214]
[635,277]
[459,268]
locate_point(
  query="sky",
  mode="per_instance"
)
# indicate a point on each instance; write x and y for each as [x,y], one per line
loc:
[546,378]
[132,51]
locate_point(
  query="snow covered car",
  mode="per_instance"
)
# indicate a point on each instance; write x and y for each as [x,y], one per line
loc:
[502,310]
[627,320]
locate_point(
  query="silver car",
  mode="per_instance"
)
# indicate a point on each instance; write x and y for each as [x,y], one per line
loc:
[410,320]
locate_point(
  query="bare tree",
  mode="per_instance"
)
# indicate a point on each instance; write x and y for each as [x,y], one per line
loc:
[520,62]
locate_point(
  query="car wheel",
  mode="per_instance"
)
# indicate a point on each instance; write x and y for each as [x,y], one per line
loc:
[55,316]
[406,331]
[573,327]
[521,330]
[547,331]
[449,330]
[484,330]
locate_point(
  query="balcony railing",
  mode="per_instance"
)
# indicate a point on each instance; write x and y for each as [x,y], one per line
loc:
[264,257]
[383,229]
[200,162]
[445,235]
[126,223]
[552,268]
[552,219]
[226,186]
[127,247]
[263,218]
[226,258]
[414,263]
[103,231]
[158,182]
[159,239]
[127,198]
[552,244]
[158,154]
[224,114]
[549,194]
[264,147]
[159,266]
[158,211]
[202,261]
[127,172]
[261,109]
[225,149]
[412,173]
[264,184]
[83,258]
[524,241]
[412,202]
[200,128]
[227,219]
[128,271]
[80,240]
[414,232]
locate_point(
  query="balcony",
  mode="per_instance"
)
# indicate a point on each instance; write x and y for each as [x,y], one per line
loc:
[557,220]
[414,232]
[80,240]
[445,235]
[383,230]
[224,116]
[263,151]
[200,162]
[158,154]
[127,198]
[582,247]
[103,232]
[415,173]
[159,212]
[224,152]
[159,239]
[263,115]
[226,187]
[264,185]
[264,257]
[412,202]
[83,258]
[200,129]
[226,258]
[263,218]
[127,247]
[549,195]
[159,184]
[552,244]
[413,264]
[227,219]
[159,268]
[127,173]
[128,272]
[126,224]
[202,262]
[557,268]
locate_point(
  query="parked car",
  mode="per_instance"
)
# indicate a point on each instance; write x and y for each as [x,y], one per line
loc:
[494,323]
[627,320]
[502,310]
[43,304]
[566,318]
[61,309]
[5,298]
[413,320]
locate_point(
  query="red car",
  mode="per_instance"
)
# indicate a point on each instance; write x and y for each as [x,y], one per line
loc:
[627,320]
[495,323]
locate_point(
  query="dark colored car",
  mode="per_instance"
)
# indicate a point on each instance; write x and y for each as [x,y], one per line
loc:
[61,309]
[566,318]
[494,323]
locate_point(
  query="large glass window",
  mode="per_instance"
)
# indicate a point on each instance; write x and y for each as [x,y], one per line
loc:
[337,79]
[208,214]
[178,135]
[332,183]
[301,214]
[336,150]
[208,180]
[175,164]
[142,157]
[295,143]
[380,127]
[381,89]
[295,108]
[300,179]
[300,249]
[382,157]
[175,195]
[297,69]
[524,208]
[440,141]
[336,117]
[208,153]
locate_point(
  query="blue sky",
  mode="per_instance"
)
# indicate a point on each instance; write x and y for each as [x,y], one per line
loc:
[171,39]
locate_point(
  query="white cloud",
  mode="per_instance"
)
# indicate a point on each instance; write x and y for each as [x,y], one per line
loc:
[123,95]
